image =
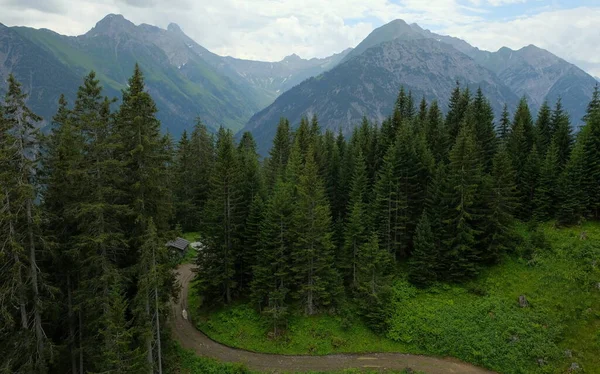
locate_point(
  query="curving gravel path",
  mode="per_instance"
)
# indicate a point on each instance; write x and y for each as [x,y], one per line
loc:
[190,338]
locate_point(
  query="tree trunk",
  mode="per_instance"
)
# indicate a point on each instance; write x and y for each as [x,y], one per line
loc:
[157,311]
[17,260]
[71,325]
[149,341]
[39,332]
[80,343]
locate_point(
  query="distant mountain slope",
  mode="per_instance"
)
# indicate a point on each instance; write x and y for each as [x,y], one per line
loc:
[185,79]
[368,84]
[540,75]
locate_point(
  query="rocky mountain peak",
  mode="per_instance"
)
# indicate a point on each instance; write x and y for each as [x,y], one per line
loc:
[173,27]
[111,25]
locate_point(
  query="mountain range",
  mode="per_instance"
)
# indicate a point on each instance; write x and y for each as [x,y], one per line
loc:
[366,81]
[189,81]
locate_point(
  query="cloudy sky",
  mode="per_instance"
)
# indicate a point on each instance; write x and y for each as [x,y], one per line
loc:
[272,29]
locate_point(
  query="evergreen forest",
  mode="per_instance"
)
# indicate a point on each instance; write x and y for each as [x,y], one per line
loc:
[325,221]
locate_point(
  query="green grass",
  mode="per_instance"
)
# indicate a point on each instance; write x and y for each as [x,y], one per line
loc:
[479,322]
[190,255]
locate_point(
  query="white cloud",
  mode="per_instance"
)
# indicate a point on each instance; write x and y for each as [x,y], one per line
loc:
[569,33]
[272,29]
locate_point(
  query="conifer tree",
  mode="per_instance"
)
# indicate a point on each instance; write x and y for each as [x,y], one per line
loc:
[484,129]
[272,278]
[422,264]
[570,189]
[544,129]
[457,108]
[562,134]
[524,120]
[505,125]
[437,136]
[529,183]
[357,222]
[217,261]
[279,153]
[501,206]
[202,153]
[185,209]
[373,279]
[594,104]
[590,140]
[20,229]
[546,191]
[312,254]
[464,178]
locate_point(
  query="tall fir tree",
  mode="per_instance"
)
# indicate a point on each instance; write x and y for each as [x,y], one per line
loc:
[562,134]
[544,130]
[425,256]
[504,125]
[217,262]
[545,196]
[318,282]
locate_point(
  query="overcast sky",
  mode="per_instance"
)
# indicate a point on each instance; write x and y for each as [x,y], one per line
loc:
[272,29]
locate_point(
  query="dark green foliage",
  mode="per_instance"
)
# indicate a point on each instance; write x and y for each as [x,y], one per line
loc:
[544,129]
[457,108]
[279,153]
[484,129]
[425,257]
[464,176]
[561,128]
[221,220]
[528,183]
[570,189]
[545,195]
[505,126]
[590,138]
[312,253]
[524,120]
[373,281]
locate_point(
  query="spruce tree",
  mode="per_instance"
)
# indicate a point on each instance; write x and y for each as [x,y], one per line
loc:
[457,108]
[272,277]
[484,129]
[279,153]
[544,129]
[572,200]
[185,209]
[524,120]
[562,134]
[202,153]
[591,143]
[464,177]
[504,126]
[357,222]
[528,184]
[545,196]
[422,264]
[22,284]
[501,204]
[373,280]
[217,261]
[318,282]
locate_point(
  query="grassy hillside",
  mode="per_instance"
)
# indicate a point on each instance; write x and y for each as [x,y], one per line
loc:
[479,322]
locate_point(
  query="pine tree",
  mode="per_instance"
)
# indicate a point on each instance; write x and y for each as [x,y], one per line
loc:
[570,189]
[545,196]
[594,104]
[524,120]
[217,261]
[373,279]
[250,185]
[484,129]
[501,206]
[562,134]
[544,129]
[437,136]
[528,184]
[272,278]
[457,108]
[185,210]
[590,140]
[202,153]
[279,153]
[20,229]
[464,176]
[357,222]
[312,255]
[505,125]
[424,260]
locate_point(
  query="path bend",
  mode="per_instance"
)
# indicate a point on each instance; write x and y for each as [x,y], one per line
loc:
[190,338]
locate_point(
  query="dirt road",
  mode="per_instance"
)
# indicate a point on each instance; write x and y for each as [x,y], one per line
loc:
[190,338]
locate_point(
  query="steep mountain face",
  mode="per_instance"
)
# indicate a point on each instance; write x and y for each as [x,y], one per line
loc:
[185,79]
[368,78]
[540,75]
[367,85]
